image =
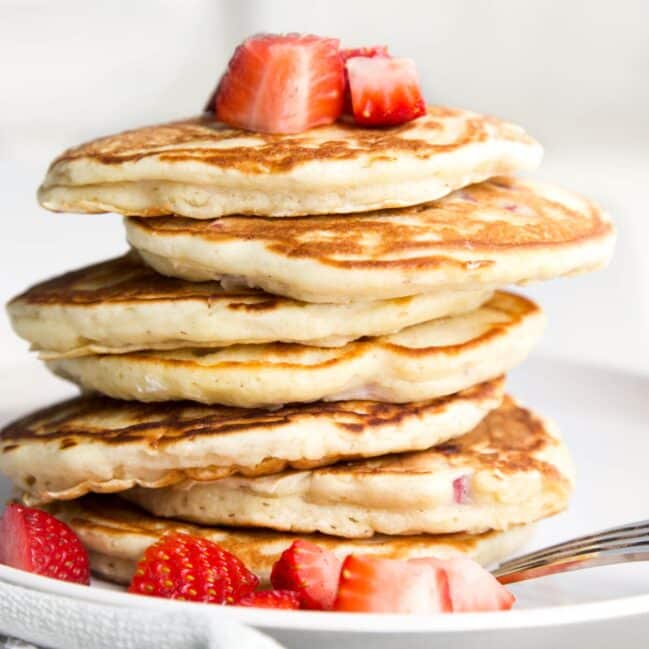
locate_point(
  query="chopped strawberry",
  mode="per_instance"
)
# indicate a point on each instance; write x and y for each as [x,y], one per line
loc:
[462,490]
[282,84]
[370,52]
[369,584]
[35,541]
[287,599]
[380,51]
[310,570]
[384,91]
[179,566]
[472,587]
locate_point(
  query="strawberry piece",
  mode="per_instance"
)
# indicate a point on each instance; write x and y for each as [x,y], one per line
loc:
[35,541]
[311,571]
[370,52]
[380,51]
[282,84]
[369,584]
[462,490]
[472,588]
[180,566]
[286,599]
[384,91]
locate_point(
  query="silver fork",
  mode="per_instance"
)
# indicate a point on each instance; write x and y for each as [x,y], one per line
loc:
[615,545]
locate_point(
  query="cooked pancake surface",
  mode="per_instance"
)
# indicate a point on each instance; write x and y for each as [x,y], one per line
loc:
[429,360]
[513,468]
[122,305]
[498,232]
[116,534]
[203,169]
[98,444]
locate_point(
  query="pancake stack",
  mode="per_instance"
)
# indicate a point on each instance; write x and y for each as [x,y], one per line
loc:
[309,336]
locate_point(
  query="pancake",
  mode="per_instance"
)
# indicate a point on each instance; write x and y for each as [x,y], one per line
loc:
[423,362]
[116,535]
[511,469]
[122,305]
[98,444]
[203,169]
[499,232]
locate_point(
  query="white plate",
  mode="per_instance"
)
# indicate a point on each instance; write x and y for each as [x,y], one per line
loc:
[605,417]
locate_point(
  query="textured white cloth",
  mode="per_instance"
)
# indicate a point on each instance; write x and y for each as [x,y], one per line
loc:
[59,622]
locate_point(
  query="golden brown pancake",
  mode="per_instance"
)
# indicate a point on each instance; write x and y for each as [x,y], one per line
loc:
[122,305]
[98,444]
[203,169]
[498,232]
[513,468]
[422,362]
[116,534]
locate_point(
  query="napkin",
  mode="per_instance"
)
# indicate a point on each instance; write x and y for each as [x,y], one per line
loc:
[60,622]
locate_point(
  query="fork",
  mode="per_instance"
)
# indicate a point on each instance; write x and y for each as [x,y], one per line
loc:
[615,545]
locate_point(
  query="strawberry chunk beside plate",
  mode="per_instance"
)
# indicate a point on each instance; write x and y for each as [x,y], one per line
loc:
[35,541]
[373,585]
[472,588]
[310,570]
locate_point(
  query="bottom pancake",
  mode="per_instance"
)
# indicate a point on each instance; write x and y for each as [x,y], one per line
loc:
[512,468]
[117,533]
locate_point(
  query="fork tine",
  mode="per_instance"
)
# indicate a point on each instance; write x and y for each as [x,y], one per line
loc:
[612,534]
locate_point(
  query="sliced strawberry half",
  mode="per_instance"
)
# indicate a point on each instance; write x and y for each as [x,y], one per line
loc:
[35,541]
[380,51]
[310,570]
[472,588]
[286,599]
[373,585]
[284,83]
[384,92]
[180,566]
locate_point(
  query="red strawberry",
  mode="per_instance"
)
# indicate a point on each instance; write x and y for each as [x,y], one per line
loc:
[179,566]
[369,584]
[472,587]
[369,52]
[384,91]
[35,541]
[288,599]
[282,84]
[310,570]
[380,51]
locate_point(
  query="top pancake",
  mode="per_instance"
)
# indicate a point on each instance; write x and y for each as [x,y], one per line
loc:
[203,169]
[498,232]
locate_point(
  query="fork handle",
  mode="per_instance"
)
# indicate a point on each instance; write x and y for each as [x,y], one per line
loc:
[567,564]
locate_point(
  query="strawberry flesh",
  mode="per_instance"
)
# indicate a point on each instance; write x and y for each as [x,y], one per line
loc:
[285,599]
[311,571]
[35,541]
[472,588]
[380,51]
[282,83]
[373,585]
[384,92]
[461,490]
[180,566]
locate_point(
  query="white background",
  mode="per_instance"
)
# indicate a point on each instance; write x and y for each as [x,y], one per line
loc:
[575,74]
